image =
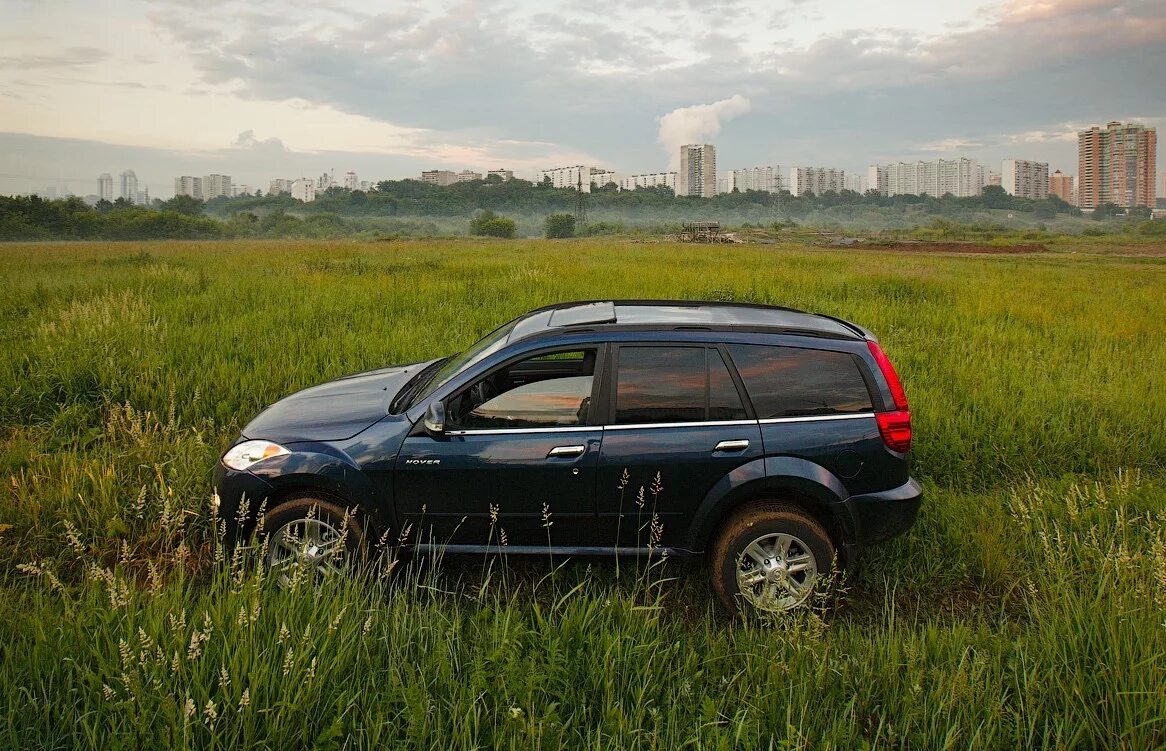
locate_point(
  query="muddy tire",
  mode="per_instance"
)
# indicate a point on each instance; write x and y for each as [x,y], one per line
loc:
[770,558]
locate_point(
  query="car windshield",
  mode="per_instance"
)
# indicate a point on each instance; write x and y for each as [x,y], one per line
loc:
[485,347]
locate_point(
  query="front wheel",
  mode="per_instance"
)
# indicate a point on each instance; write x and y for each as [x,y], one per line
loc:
[310,537]
[770,558]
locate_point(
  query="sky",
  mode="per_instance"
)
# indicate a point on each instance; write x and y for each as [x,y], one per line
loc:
[260,90]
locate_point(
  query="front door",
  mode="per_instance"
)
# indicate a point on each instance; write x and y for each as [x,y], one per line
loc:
[517,461]
[678,425]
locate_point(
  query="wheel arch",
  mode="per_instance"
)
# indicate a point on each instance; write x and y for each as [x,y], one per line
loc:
[796,482]
[333,477]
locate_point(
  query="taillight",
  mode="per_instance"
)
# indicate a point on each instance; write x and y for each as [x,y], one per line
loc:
[896,429]
[895,425]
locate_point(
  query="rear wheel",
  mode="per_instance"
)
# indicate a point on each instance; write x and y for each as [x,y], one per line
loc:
[770,558]
[310,537]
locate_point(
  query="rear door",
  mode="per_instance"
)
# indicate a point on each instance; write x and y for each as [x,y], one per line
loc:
[677,423]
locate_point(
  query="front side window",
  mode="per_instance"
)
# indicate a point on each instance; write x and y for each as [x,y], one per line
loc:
[674,384]
[546,391]
[793,382]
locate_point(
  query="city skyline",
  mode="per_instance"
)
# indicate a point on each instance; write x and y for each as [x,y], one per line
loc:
[259,91]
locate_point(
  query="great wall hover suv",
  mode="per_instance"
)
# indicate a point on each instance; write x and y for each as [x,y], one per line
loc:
[773,442]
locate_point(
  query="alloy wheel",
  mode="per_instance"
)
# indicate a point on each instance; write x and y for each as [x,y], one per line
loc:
[776,572]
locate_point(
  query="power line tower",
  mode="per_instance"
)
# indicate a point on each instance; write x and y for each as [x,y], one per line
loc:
[580,201]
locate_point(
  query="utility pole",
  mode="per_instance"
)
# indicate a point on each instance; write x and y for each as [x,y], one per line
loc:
[580,201]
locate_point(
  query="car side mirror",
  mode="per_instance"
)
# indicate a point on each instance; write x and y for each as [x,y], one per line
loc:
[435,418]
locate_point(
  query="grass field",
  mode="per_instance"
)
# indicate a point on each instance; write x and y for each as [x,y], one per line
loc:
[1027,609]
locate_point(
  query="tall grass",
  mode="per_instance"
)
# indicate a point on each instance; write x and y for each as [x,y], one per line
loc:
[1026,608]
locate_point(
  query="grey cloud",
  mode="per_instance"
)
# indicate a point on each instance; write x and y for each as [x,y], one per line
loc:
[505,75]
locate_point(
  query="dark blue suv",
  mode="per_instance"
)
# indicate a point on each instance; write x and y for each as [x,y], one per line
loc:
[770,440]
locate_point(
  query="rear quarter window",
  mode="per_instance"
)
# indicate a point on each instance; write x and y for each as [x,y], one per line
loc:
[794,382]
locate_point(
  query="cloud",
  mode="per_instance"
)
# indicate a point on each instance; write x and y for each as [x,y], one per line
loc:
[69,58]
[535,83]
[247,140]
[697,123]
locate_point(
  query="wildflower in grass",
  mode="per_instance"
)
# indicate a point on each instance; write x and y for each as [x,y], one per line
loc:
[288,660]
[311,670]
[367,625]
[516,713]
[657,531]
[189,708]
[74,538]
[336,621]
[107,692]
[640,499]
[245,699]
[34,570]
[547,516]
[224,678]
[283,633]
[210,712]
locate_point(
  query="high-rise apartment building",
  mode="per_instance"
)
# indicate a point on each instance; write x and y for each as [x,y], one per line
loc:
[857,183]
[764,179]
[279,185]
[1061,186]
[188,186]
[578,177]
[351,181]
[698,170]
[439,177]
[649,180]
[505,174]
[816,180]
[961,177]
[128,187]
[105,187]
[1025,179]
[467,175]
[304,189]
[1117,164]
[216,186]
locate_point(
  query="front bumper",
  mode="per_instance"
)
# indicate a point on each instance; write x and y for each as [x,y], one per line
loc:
[881,516]
[240,496]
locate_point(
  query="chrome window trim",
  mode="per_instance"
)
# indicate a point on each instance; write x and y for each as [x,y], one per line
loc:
[815,418]
[641,426]
[503,431]
[700,424]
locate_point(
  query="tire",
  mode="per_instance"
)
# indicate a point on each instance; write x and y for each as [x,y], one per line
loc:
[751,543]
[313,534]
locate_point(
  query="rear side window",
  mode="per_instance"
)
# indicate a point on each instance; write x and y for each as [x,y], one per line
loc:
[792,382]
[674,384]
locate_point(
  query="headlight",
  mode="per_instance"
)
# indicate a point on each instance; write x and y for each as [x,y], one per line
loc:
[249,452]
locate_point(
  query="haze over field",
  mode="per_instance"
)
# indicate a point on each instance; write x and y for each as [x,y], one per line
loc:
[259,89]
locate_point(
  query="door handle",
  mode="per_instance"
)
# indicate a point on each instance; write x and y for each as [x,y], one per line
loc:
[739,445]
[566,451]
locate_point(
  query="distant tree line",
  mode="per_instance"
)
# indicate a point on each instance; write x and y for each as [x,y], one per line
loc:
[415,208]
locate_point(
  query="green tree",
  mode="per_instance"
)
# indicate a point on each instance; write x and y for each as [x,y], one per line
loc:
[187,205]
[995,197]
[1106,210]
[490,224]
[560,225]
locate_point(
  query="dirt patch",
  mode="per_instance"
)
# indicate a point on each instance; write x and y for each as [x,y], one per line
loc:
[923,246]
